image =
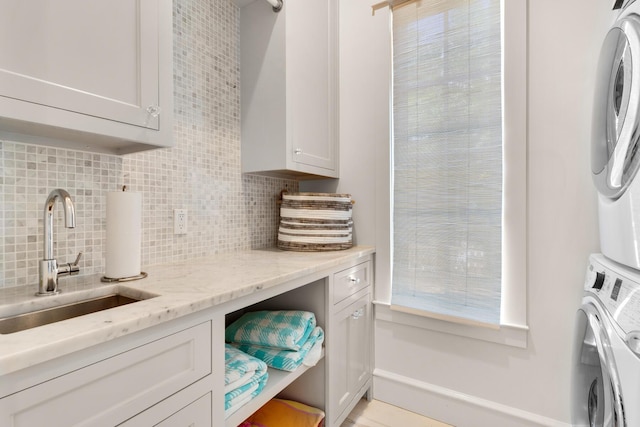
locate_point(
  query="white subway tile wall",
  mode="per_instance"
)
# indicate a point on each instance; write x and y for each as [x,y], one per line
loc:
[226,211]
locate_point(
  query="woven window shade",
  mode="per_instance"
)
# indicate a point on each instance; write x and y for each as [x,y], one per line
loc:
[447,158]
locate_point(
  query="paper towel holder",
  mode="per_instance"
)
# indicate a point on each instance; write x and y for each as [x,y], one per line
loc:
[106,279]
[138,276]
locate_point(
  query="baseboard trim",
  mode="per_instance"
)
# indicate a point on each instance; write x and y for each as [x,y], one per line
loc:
[450,406]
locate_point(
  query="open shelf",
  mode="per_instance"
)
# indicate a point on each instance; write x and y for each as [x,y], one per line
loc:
[278,381]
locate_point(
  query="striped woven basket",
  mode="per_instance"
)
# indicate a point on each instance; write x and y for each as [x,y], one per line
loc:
[312,222]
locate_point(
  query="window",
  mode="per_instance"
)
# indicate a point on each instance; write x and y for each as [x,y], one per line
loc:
[459,171]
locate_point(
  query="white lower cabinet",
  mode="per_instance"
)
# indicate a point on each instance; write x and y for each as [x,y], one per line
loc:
[341,302]
[172,374]
[115,389]
[349,349]
[350,368]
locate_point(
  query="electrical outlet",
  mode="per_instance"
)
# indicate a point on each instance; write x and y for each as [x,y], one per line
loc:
[179,221]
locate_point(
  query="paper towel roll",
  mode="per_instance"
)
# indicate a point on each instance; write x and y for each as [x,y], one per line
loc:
[124,234]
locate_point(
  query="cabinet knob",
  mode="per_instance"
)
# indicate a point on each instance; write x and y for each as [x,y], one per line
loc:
[297,151]
[354,280]
[357,314]
[153,110]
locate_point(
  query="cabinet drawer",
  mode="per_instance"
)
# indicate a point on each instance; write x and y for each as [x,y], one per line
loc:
[113,390]
[195,414]
[350,281]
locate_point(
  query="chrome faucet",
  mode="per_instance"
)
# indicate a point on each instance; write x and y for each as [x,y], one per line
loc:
[49,269]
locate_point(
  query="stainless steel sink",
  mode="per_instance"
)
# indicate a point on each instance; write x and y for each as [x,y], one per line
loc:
[21,322]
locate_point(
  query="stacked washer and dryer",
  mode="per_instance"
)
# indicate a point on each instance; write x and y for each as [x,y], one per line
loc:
[606,357]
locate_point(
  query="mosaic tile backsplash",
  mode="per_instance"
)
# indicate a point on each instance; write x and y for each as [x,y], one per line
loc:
[227,211]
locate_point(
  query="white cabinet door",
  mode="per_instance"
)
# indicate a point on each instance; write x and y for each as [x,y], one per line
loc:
[311,83]
[67,55]
[289,77]
[86,67]
[350,349]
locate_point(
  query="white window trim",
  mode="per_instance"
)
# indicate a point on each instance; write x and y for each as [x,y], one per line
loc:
[511,335]
[513,329]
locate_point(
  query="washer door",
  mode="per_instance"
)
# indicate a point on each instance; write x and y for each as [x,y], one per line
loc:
[596,397]
[616,110]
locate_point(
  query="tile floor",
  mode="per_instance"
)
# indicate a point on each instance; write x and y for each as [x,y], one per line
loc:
[380,414]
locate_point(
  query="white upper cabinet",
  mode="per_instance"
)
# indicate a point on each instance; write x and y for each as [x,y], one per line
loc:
[90,75]
[289,82]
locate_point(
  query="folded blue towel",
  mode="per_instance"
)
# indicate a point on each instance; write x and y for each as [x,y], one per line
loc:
[244,378]
[282,329]
[235,399]
[286,360]
[240,368]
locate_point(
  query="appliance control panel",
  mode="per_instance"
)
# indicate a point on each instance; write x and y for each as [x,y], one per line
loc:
[618,288]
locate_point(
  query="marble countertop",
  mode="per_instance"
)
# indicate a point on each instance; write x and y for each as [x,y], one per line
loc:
[178,289]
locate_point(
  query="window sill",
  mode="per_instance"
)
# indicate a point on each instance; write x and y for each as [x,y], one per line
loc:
[510,335]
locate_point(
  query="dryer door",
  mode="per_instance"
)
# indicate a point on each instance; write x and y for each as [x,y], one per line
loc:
[596,398]
[616,109]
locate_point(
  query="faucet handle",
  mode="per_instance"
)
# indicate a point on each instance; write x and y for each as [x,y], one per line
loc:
[70,268]
[77,261]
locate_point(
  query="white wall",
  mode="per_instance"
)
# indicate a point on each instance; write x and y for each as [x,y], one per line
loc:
[460,380]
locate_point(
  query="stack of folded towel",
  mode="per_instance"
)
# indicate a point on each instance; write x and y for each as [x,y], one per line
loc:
[244,378]
[283,339]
